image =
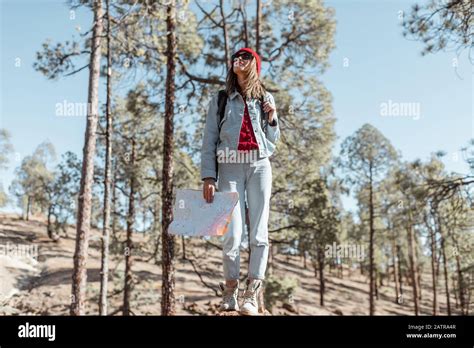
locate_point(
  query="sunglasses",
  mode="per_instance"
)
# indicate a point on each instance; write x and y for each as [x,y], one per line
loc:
[243,55]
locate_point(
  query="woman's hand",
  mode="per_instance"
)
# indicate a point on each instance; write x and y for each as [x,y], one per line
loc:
[208,189]
[270,110]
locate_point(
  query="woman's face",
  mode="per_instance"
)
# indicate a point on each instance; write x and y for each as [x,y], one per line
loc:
[241,62]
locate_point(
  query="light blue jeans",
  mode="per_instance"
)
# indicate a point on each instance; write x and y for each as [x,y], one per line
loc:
[253,181]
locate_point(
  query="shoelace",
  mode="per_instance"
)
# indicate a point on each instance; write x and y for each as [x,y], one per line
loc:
[250,296]
[228,294]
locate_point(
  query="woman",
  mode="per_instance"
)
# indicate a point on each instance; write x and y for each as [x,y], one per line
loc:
[241,131]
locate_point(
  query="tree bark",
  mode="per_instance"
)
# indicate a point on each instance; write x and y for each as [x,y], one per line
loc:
[413,269]
[128,286]
[79,276]
[371,246]
[244,22]
[226,37]
[49,223]
[376,288]
[114,203]
[104,266]
[28,205]
[433,269]
[395,271]
[322,284]
[418,268]
[460,281]
[168,301]
[258,20]
[445,267]
[460,285]
[400,274]
[183,245]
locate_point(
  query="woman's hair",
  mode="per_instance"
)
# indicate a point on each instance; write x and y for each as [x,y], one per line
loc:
[254,87]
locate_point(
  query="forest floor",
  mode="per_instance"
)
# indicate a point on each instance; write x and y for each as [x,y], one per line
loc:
[42,285]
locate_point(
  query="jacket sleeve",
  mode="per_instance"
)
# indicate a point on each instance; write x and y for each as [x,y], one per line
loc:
[273,132]
[209,142]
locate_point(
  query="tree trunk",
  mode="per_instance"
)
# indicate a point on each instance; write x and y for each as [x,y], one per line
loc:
[258,20]
[28,205]
[226,37]
[455,293]
[156,221]
[104,265]
[445,269]
[168,301]
[245,24]
[49,223]
[419,270]
[395,272]
[371,246]
[183,245]
[413,269]
[129,242]
[438,262]
[114,202]
[79,276]
[322,284]
[400,273]
[461,288]
[433,270]
[460,285]
[420,289]
[376,288]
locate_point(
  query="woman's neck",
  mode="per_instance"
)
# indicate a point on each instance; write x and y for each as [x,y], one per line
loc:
[242,82]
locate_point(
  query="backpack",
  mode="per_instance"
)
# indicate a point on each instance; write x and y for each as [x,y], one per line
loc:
[221,104]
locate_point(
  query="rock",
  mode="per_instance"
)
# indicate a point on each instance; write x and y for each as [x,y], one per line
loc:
[194,308]
[213,307]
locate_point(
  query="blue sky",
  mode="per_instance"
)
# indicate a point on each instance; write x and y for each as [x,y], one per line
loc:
[382,67]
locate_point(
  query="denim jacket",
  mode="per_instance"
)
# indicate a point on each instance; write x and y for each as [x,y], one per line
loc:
[227,141]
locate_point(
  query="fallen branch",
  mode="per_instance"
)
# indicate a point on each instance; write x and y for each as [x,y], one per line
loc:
[200,277]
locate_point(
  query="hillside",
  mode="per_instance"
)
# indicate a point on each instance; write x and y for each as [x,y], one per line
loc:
[43,286]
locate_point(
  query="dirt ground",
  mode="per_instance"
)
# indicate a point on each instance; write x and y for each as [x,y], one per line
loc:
[42,285]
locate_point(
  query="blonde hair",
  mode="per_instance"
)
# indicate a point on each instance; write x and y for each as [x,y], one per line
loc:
[254,88]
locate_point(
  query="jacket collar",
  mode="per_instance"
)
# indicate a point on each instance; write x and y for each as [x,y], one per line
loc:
[234,94]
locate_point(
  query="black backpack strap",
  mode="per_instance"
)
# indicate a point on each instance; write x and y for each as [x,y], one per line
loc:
[221,103]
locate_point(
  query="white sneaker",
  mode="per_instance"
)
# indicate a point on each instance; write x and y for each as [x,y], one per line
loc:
[229,297]
[251,294]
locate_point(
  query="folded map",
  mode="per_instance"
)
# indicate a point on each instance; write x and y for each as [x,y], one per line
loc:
[193,216]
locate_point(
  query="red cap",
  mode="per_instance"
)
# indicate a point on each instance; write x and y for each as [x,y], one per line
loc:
[254,54]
